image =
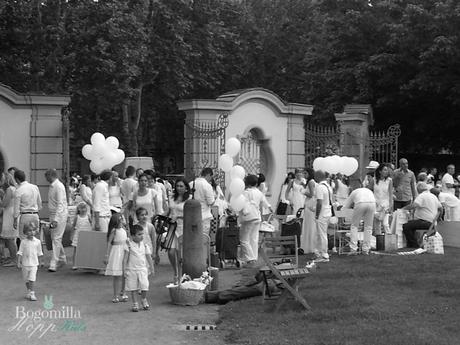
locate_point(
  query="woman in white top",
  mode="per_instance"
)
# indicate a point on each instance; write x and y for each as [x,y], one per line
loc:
[249,230]
[296,191]
[146,197]
[181,194]
[383,193]
[342,191]
[115,191]
[308,238]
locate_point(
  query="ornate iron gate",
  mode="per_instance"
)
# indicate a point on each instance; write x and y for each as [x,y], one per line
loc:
[383,147]
[204,143]
[251,155]
[321,141]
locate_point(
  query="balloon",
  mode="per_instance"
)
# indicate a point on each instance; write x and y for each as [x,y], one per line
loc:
[328,164]
[112,142]
[97,138]
[350,167]
[333,220]
[87,151]
[318,163]
[237,171]
[232,147]
[225,162]
[99,150]
[120,156]
[237,202]
[109,160]
[96,166]
[236,186]
[335,165]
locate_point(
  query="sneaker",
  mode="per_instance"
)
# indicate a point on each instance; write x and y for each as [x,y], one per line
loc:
[28,295]
[74,268]
[322,260]
[32,296]
[52,269]
[135,307]
[124,297]
[145,304]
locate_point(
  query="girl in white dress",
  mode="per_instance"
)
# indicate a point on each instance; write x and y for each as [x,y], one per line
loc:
[115,191]
[181,194]
[297,190]
[117,238]
[308,238]
[383,192]
[81,222]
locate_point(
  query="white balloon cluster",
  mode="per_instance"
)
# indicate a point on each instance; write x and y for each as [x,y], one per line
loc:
[336,164]
[103,153]
[237,173]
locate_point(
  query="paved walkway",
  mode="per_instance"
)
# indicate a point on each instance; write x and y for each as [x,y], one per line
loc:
[88,295]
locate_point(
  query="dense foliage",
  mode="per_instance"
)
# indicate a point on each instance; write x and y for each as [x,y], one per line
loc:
[126,63]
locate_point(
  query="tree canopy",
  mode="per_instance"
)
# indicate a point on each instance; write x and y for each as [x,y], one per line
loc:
[126,63]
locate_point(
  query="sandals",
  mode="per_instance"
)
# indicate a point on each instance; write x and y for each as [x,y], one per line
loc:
[123,297]
[135,307]
[115,300]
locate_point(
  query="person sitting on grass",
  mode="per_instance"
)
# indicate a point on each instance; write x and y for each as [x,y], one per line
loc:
[29,251]
[136,263]
[427,207]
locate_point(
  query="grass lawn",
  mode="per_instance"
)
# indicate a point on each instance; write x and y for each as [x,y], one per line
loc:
[370,300]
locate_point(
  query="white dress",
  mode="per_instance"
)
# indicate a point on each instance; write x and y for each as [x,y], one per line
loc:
[298,197]
[177,212]
[6,229]
[308,238]
[115,262]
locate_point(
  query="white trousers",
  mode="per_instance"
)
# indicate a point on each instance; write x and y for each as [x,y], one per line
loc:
[321,236]
[365,212]
[249,240]
[56,239]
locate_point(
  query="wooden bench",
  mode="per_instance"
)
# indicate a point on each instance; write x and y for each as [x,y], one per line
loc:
[290,277]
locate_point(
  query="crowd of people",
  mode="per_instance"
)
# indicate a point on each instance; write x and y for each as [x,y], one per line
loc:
[373,201]
[125,209]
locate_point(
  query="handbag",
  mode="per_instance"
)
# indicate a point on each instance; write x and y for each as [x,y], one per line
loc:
[433,244]
[250,210]
[266,226]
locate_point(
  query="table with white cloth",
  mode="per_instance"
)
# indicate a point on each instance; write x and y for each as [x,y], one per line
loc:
[400,217]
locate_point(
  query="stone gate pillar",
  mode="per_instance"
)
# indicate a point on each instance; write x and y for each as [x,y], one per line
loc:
[354,135]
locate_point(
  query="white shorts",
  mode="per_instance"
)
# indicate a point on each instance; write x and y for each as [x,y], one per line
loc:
[29,273]
[137,280]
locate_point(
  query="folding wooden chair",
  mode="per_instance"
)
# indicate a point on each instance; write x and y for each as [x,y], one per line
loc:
[290,278]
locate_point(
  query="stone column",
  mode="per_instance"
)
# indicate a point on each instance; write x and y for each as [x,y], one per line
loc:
[354,135]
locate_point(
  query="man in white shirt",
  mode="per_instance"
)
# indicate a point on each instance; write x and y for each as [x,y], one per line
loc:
[27,203]
[127,189]
[450,203]
[202,191]
[57,205]
[448,183]
[323,195]
[101,202]
[427,207]
[362,200]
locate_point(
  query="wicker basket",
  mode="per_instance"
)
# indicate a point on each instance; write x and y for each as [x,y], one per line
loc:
[186,296]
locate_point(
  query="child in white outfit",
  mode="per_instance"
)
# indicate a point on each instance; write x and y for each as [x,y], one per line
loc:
[136,263]
[28,253]
[82,222]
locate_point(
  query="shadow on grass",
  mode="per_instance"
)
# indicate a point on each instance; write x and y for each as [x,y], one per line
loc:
[381,300]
